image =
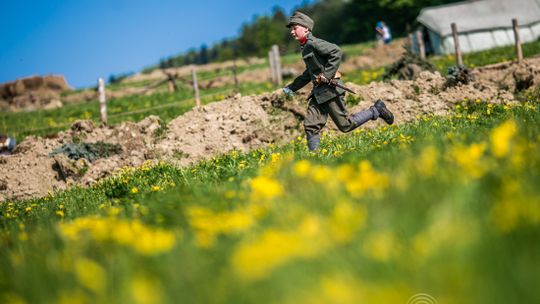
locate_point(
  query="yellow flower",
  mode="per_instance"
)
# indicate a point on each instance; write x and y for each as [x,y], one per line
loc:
[346,220]
[366,178]
[427,161]
[134,190]
[381,246]
[302,167]
[343,289]
[265,188]
[73,297]
[145,290]
[256,259]
[321,174]
[60,213]
[469,158]
[143,239]
[501,138]
[208,224]
[91,275]
[515,207]
[155,188]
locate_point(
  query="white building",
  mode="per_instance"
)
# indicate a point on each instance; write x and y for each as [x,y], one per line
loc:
[481,24]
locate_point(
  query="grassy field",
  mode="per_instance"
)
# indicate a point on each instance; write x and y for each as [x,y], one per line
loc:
[446,206]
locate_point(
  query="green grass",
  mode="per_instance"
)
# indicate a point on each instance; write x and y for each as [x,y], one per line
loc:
[482,58]
[433,206]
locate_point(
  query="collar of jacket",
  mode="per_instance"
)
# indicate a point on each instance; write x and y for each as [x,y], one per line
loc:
[309,36]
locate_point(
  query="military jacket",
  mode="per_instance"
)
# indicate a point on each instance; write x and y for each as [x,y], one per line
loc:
[319,56]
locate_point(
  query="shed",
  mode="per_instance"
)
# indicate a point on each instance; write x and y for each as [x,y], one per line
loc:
[481,24]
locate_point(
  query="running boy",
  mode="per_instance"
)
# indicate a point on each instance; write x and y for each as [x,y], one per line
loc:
[322,60]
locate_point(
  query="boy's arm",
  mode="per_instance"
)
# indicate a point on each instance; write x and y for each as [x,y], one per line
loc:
[300,81]
[333,54]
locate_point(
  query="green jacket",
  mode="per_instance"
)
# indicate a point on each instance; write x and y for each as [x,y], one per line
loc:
[320,56]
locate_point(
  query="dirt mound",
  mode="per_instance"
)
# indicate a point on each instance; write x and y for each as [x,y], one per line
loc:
[32,93]
[426,94]
[241,123]
[512,76]
[238,123]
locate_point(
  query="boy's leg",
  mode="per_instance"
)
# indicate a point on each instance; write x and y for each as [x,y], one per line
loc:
[343,120]
[315,120]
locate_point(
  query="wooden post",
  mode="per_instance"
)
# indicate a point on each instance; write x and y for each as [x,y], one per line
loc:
[420,41]
[410,40]
[519,52]
[196,88]
[272,66]
[234,75]
[102,100]
[171,83]
[459,59]
[277,64]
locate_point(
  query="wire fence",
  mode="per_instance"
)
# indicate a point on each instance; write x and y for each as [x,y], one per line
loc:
[274,72]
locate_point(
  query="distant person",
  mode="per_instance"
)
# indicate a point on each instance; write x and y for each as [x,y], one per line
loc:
[322,60]
[383,33]
[7,144]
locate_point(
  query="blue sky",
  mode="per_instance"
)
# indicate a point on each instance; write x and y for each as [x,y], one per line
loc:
[87,39]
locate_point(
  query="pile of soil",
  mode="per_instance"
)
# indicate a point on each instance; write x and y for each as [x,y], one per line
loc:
[239,122]
[512,76]
[31,93]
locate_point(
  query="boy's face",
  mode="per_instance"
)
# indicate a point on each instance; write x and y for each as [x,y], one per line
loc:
[298,32]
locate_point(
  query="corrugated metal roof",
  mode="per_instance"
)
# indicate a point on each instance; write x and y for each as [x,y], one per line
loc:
[478,15]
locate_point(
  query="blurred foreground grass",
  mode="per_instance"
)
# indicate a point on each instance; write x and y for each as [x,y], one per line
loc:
[446,206]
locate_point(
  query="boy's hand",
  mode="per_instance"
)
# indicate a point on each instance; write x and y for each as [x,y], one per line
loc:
[288,92]
[320,79]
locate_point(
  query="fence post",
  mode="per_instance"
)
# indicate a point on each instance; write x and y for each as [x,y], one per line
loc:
[459,59]
[519,51]
[196,88]
[102,100]
[420,41]
[277,64]
[272,66]
[234,75]
[171,84]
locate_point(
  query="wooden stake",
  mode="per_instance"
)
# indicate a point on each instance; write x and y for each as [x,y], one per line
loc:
[272,66]
[171,83]
[519,52]
[459,59]
[277,64]
[234,74]
[102,100]
[420,41]
[196,88]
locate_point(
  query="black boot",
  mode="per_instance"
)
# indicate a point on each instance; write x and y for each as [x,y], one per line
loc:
[384,113]
[313,142]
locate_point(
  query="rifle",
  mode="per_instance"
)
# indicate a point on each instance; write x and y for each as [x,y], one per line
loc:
[332,82]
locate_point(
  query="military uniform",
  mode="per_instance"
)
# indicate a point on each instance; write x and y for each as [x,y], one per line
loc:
[323,58]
